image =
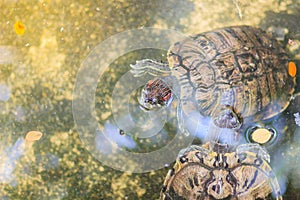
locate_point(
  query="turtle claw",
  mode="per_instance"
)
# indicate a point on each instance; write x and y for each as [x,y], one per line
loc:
[137,73]
[138,69]
[147,66]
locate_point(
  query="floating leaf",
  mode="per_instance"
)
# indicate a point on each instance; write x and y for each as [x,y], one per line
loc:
[292,69]
[33,136]
[19,28]
[261,135]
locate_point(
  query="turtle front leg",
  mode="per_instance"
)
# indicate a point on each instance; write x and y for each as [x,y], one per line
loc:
[227,118]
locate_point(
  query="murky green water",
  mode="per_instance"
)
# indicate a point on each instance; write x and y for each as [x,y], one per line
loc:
[38,70]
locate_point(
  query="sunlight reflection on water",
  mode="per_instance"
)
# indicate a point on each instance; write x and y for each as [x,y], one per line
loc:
[9,158]
[110,138]
[4,92]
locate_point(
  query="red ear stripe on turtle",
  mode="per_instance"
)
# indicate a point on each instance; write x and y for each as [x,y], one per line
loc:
[167,97]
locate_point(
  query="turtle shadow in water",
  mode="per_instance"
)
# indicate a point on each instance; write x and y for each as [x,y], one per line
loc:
[174,9]
[282,19]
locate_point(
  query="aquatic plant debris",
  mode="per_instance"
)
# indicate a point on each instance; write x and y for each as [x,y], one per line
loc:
[297,118]
[238,8]
[19,28]
[33,136]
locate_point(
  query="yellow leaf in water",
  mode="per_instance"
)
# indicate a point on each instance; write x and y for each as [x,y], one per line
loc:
[292,69]
[19,28]
[261,135]
[33,135]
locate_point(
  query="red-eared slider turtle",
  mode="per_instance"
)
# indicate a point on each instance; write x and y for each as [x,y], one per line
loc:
[243,174]
[234,75]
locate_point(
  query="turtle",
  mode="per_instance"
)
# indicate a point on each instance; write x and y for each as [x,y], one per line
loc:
[221,173]
[233,75]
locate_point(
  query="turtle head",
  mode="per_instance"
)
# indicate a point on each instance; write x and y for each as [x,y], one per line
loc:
[155,95]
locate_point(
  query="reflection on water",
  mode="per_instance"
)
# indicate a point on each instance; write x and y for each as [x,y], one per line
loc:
[286,163]
[9,158]
[4,93]
[19,113]
[47,162]
[297,118]
[9,55]
[38,67]
[110,138]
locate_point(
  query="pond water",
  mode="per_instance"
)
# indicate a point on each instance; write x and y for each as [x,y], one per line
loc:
[70,124]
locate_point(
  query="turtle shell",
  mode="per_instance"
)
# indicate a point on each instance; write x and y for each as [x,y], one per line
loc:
[242,67]
[202,174]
